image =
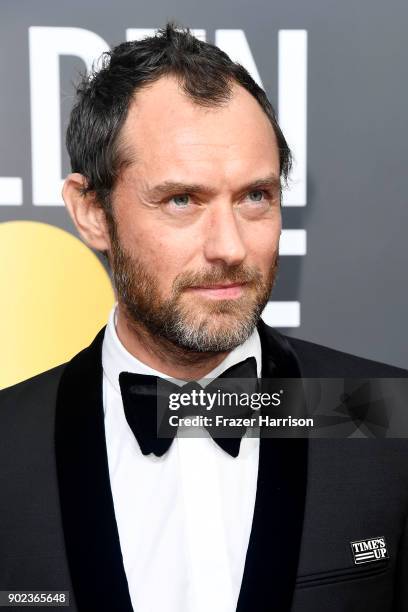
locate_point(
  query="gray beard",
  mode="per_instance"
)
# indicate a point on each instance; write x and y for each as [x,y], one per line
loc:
[171,321]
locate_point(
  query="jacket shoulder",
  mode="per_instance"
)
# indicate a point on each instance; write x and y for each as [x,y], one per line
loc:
[317,361]
[40,390]
[27,418]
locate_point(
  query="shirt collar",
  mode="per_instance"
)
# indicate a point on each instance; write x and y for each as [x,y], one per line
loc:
[116,358]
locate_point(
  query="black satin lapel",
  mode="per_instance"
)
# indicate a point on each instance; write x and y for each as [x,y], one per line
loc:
[273,551]
[278,358]
[91,535]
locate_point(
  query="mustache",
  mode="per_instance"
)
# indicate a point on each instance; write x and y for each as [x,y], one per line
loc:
[222,274]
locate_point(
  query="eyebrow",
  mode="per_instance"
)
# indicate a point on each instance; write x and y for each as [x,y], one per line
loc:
[171,187]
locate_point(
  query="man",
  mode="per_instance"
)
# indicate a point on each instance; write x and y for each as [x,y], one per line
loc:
[177,163]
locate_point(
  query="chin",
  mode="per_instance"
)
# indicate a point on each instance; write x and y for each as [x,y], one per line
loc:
[225,331]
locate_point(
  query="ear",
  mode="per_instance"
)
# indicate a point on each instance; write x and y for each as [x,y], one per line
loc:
[87,214]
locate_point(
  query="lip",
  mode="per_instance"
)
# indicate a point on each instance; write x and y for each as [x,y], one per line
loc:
[221,291]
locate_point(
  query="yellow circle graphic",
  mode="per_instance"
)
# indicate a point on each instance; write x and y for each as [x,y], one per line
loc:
[56,295]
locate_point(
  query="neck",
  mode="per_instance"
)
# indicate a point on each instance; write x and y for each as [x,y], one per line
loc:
[161,354]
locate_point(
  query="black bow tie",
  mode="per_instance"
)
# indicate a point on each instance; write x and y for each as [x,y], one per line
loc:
[143,395]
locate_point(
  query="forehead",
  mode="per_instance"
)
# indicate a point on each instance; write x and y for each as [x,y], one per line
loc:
[165,132]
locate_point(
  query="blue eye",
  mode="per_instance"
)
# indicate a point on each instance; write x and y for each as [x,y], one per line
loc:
[181,200]
[256,196]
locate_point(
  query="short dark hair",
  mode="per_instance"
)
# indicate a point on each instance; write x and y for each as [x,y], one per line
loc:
[205,73]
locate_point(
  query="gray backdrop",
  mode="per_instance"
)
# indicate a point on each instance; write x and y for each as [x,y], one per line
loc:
[351,282]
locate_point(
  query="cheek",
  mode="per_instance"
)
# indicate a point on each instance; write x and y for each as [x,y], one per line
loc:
[263,244]
[165,257]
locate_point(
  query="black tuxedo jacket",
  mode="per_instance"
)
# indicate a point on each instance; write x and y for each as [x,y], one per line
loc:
[314,497]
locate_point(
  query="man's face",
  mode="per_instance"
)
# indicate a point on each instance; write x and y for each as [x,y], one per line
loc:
[197,217]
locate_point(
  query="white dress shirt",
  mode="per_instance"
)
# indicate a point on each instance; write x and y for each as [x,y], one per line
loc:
[184,519]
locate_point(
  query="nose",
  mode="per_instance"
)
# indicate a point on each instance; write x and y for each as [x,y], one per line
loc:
[224,241]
